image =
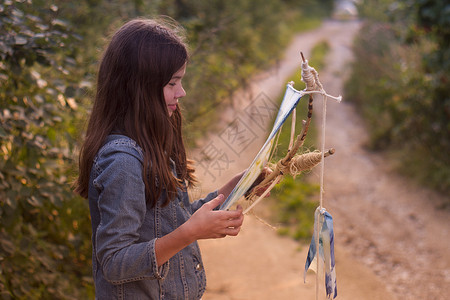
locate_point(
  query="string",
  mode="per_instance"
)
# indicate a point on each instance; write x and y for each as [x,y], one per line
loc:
[263,194]
[293,121]
[322,166]
[322,171]
[277,137]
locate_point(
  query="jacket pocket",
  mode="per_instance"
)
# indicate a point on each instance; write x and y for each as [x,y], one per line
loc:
[200,274]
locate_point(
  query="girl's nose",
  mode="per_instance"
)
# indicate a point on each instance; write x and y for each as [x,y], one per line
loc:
[181,93]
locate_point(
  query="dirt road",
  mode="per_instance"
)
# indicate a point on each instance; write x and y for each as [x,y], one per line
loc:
[390,237]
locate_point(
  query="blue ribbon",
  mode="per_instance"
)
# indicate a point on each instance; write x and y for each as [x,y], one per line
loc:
[326,250]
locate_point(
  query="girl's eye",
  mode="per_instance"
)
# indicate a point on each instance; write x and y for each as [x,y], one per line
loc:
[171,84]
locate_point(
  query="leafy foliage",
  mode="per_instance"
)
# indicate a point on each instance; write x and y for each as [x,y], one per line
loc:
[295,208]
[42,233]
[400,81]
[230,40]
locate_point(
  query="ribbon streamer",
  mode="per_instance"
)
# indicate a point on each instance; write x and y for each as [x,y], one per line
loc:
[324,230]
[290,100]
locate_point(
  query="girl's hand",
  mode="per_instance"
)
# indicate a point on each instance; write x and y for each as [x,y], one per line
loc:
[229,186]
[260,190]
[208,223]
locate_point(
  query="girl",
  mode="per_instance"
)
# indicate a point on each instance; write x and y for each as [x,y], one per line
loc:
[134,171]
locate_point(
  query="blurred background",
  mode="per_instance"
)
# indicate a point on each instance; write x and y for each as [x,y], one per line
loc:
[49,52]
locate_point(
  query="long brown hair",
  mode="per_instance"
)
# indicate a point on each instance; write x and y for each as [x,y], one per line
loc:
[139,61]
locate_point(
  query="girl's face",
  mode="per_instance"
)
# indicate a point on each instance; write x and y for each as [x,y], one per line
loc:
[174,90]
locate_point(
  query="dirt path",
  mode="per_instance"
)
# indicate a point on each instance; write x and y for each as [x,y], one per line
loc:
[390,238]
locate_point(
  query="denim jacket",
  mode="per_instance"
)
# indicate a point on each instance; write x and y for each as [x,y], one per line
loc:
[125,228]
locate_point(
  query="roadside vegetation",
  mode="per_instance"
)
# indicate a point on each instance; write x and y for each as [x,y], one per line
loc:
[48,60]
[400,83]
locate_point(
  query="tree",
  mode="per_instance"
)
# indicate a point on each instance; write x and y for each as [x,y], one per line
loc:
[400,81]
[44,231]
[433,17]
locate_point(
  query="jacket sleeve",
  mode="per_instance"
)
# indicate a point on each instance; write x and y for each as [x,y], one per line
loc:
[122,207]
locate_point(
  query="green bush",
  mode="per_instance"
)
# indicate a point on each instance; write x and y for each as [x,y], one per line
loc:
[400,84]
[295,207]
[44,232]
[230,41]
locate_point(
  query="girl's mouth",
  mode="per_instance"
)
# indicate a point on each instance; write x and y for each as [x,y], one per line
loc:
[172,107]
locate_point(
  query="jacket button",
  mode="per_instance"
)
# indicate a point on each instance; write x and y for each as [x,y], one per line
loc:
[199,267]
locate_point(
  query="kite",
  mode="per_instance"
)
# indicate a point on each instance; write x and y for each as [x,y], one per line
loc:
[321,251]
[291,164]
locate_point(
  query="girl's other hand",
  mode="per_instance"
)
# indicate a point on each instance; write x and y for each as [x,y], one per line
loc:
[260,190]
[230,185]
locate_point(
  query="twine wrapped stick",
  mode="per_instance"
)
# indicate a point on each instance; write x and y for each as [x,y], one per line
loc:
[303,162]
[291,164]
